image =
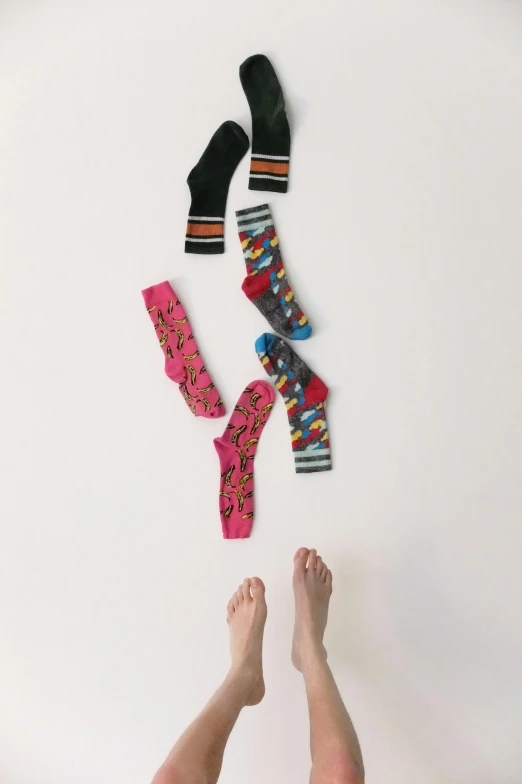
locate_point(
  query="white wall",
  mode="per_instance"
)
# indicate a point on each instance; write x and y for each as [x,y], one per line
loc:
[401,234]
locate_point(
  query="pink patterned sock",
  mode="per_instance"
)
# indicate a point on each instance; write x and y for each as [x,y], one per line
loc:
[183,362]
[236,450]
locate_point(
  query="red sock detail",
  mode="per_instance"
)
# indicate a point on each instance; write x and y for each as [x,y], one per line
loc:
[255,285]
[316,391]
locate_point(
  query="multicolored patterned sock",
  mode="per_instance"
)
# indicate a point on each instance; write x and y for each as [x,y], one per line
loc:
[266,284]
[304,394]
[183,362]
[236,450]
[209,181]
[270,130]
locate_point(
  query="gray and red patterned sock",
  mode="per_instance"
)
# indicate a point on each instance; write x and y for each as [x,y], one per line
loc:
[305,395]
[266,284]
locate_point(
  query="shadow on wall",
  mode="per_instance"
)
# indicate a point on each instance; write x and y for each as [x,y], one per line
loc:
[447,683]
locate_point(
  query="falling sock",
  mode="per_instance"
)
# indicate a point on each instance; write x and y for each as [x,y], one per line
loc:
[236,450]
[270,130]
[183,362]
[208,182]
[266,284]
[304,394]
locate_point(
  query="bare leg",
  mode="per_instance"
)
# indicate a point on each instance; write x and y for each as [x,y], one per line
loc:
[198,755]
[336,754]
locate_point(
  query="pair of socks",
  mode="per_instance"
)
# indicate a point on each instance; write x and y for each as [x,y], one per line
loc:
[266,283]
[183,361]
[209,180]
[305,396]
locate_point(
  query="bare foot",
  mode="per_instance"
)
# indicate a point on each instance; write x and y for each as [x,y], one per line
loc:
[312,590]
[246,616]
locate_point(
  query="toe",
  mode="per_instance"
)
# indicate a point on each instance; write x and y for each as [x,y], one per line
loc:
[245,589]
[300,559]
[312,559]
[230,609]
[238,598]
[329,579]
[322,574]
[257,587]
[318,565]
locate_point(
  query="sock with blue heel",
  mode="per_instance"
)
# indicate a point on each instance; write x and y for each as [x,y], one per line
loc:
[305,397]
[266,284]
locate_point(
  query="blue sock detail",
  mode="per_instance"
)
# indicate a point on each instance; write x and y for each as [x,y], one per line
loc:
[302,333]
[264,343]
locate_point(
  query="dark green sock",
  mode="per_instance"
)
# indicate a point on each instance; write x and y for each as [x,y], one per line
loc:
[208,182]
[270,129]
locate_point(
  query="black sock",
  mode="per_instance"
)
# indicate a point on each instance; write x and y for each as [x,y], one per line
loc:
[270,130]
[208,182]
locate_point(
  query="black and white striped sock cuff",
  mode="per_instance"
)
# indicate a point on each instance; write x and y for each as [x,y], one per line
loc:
[312,460]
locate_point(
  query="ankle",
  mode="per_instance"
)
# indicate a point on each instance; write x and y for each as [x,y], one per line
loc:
[245,671]
[312,656]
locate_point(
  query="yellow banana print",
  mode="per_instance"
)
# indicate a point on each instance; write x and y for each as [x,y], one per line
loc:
[244,479]
[250,442]
[267,408]
[181,338]
[203,370]
[206,404]
[243,410]
[170,307]
[164,338]
[180,321]
[190,337]
[228,511]
[186,394]
[240,500]
[162,321]
[193,408]
[256,424]
[247,516]
[230,426]
[238,433]
[169,352]
[149,310]
[192,374]
[188,357]
[243,459]
[228,476]
[225,495]
[207,389]
[219,403]
[250,494]
[248,389]
[253,400]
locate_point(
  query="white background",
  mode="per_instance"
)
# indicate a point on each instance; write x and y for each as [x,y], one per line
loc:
[401,236]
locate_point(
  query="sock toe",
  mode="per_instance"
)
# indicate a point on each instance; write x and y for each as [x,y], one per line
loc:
[302,333]
[264,343]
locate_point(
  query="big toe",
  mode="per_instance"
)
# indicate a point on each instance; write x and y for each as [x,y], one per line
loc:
[300,559]
[257,588]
